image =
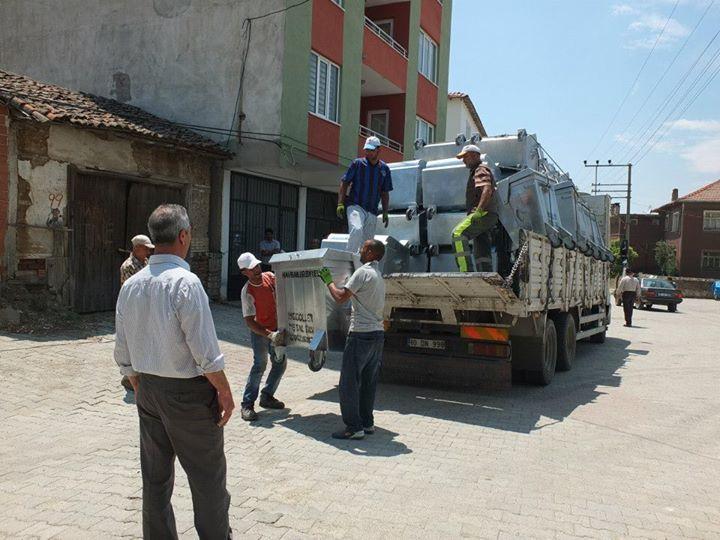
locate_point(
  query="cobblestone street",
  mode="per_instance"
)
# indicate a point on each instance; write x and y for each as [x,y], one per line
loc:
[627,444]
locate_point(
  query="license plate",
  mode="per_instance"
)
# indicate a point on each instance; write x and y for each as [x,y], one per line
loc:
[435,344]
[665,294]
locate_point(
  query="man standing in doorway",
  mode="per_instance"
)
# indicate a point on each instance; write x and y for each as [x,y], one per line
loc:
[269,246]
[166,344]
[628,289]
[260,313]
[142,248]
[366,183]
[478,194]
[364,345]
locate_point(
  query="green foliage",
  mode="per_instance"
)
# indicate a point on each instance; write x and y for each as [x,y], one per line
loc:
[616,269]
[665,258]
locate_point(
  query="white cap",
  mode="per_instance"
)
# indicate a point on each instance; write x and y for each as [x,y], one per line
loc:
[142,240]
[468,148]
[247,261]
[372,143]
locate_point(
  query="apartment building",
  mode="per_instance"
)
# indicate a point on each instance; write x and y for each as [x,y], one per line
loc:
[290,87]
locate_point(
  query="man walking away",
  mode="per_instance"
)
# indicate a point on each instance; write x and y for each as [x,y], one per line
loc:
[478,194]
[628,289]
[269,246]
[166,345]
[260,313]
[366,183]
[141,250]
[364,345]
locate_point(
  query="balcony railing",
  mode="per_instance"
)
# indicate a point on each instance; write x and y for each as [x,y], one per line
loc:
[393,145]
[382,34]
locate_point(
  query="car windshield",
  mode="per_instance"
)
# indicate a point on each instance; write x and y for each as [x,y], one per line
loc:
[657,284]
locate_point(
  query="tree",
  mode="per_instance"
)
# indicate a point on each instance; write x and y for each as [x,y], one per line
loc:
[665,258]
[616,269]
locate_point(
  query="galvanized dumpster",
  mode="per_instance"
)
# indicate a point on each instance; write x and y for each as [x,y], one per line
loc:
[306,311]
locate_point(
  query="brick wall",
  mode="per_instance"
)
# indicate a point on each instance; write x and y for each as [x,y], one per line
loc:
[4,184]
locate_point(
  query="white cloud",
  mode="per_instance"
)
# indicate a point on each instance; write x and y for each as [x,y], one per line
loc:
[645,31]
[695,141]
[623,9]
[704,157]
[703,126]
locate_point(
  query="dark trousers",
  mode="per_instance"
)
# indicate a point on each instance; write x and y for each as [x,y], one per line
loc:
[178,418]
[628,301]
[359,377]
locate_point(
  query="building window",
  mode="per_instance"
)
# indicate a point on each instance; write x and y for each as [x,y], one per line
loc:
[387,26]
[424,130]
[324,95]
[711,220]
[379,122]
[427,61]
[710,260]
[340,3]
[675,225]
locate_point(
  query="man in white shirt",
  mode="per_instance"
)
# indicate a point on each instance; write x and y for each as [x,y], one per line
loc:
[628,289]
[269,246]
[166,345]
[364,345]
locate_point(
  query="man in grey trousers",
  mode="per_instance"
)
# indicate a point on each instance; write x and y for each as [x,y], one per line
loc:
[166,345]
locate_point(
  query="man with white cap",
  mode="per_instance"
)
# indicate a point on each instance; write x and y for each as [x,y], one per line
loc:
[141,249]
[260,313]
[478,194]
[366,183]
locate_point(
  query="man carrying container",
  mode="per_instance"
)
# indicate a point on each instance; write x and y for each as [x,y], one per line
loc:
[366,183]
[364,344]
[478,194]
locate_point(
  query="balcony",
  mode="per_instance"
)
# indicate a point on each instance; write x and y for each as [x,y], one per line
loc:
[374,28]
[385,62]
[392,150]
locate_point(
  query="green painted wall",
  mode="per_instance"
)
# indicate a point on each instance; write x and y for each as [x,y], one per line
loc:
[350,90]
[296,70]
[443,71]
[412,76]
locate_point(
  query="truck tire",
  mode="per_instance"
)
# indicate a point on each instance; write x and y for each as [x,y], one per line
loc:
[566,341]
[547,356]
[672,308]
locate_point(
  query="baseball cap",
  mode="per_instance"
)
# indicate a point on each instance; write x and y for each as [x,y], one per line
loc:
[142,240]
[247,261]
[372,143]
[468,148]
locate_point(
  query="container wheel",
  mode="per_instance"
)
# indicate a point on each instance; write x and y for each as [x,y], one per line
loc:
[317,360]
[548,356]
[566,341]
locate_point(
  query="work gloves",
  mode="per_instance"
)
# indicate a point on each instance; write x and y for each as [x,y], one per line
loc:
[277,338]
[340,211]
[386,219]
[477,216]
[325,275]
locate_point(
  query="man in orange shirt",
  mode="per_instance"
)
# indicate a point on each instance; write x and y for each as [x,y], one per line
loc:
[260,313]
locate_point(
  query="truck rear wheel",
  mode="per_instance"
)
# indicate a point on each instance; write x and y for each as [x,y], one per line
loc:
[547,356]
[566,341]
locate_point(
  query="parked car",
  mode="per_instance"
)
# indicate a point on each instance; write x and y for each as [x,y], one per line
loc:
[658,291]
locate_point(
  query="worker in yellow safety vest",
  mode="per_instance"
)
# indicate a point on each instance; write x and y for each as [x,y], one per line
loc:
[478,194]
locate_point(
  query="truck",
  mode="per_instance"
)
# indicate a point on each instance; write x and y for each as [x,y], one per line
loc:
[540,286]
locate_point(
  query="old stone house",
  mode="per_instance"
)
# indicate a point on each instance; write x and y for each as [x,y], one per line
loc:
[79,176]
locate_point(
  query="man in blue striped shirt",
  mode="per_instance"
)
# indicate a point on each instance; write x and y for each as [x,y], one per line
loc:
[366,183]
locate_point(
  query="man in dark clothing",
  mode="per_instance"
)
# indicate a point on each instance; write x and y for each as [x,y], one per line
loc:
[478,194]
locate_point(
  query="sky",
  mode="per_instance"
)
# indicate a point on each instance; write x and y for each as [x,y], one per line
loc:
[583,75]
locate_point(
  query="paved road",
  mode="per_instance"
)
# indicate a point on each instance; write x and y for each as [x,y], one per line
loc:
[625,445]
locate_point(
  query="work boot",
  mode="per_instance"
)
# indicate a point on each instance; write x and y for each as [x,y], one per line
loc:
[269,402]
[347,434]
[247,413]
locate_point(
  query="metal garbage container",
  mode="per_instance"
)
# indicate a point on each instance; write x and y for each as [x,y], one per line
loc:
[310,317]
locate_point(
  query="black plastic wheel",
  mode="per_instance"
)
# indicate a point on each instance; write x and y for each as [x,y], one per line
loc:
[672,308]
[317,360]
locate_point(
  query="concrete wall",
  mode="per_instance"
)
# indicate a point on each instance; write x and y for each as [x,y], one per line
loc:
[180,59]
[4,186]
[43,154]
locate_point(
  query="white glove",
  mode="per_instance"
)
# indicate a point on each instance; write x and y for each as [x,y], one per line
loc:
[276,338]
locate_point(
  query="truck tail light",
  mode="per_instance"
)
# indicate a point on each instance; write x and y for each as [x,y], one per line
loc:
[485,333]
[494,350]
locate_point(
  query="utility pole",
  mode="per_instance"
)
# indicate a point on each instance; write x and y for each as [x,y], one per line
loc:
[625,245]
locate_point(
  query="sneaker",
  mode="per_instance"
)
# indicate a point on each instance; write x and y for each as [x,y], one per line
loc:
[369,430]
[347,434]
[269,402]
[248,414]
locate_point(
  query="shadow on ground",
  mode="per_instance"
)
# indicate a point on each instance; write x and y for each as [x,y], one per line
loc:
[523,408]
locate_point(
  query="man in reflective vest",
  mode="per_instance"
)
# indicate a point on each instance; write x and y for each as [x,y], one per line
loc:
[478,194]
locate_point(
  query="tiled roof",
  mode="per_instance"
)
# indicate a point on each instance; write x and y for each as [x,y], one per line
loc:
[708,193]
[471,109]
[48,102]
